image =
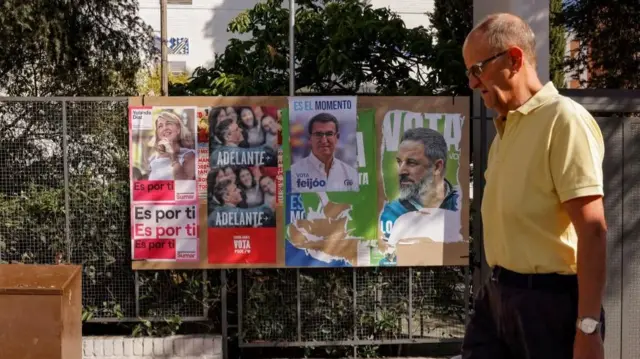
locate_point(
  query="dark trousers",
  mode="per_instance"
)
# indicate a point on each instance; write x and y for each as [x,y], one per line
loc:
[518,316]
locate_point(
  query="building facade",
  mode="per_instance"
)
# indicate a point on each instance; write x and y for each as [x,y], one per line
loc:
[197,29]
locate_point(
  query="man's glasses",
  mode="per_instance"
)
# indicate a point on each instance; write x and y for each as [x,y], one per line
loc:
[476,69]
[318,135]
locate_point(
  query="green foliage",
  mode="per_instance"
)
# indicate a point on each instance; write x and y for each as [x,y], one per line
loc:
[150,81]
[557,44]
[34,211]
[609,36]
[341,46]
[70,48]
[451,21]
[67,48]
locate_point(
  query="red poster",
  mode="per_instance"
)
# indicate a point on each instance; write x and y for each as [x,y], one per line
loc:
[242,183]
[242,245]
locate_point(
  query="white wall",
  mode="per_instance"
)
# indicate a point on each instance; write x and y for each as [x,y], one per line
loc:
[204,23]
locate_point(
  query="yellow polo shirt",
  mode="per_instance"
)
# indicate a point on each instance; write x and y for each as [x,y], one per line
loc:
[546,152]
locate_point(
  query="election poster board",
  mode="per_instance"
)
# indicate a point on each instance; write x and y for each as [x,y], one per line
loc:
[247,213]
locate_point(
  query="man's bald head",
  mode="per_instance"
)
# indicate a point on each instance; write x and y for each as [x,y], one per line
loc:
[503,30]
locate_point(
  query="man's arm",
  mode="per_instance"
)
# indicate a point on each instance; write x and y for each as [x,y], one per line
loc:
[587,216]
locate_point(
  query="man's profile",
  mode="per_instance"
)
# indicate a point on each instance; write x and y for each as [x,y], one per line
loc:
[321,171]
[228,214]
[422,163]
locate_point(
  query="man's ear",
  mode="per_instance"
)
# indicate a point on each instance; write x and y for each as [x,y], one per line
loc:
[438,167]
[516,56]
[338,135]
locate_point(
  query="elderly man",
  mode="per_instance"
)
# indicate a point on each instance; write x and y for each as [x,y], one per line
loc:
[542,210]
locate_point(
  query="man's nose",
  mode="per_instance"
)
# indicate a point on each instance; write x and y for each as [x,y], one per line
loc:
[403,169]
[474,82]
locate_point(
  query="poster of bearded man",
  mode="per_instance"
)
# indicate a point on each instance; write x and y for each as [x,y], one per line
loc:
[421,214]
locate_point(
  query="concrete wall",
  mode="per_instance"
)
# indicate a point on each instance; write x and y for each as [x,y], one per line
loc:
[174,347]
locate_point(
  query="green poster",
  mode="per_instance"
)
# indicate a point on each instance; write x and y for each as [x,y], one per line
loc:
[421,211]
[339,228]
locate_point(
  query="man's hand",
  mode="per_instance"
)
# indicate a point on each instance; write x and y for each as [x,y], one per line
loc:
[588,346]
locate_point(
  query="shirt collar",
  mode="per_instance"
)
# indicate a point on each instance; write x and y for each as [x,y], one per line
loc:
[317,163]
[546,93]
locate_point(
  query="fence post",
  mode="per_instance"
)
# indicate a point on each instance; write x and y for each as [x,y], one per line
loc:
[240,299]
[298,305]
[225,322]
[65,157]
[410,323]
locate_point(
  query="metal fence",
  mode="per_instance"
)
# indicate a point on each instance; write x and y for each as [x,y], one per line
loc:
[64,197]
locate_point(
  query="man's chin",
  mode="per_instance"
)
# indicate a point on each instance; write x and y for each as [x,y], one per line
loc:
[406,194]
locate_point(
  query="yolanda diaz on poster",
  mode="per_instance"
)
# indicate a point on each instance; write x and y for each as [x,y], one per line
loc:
[242,191]
[421,217]
[163,160]
[326,159]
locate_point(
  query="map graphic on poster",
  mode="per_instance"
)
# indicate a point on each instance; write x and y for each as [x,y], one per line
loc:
[333,229]
[420,221]
[241,184]
[164,202]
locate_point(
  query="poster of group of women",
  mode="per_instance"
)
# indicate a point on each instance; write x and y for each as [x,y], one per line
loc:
[313,181]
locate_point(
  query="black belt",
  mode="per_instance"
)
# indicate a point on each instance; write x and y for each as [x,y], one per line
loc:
[550,281]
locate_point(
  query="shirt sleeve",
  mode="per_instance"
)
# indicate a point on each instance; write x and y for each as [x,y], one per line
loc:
[576,153]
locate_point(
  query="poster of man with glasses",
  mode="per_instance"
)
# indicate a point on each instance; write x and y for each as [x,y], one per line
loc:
[323,140]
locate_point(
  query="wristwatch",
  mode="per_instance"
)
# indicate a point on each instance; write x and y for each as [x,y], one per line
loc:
[588,325]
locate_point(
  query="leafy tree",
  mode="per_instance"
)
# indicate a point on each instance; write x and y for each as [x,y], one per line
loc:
[609,36]
[69,48]
[80,47]
[341,46]
[451,21]
[557,44]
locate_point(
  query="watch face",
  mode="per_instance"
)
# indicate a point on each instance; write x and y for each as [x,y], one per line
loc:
[588,325]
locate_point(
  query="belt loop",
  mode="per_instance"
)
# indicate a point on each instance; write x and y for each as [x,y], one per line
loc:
[530,281]
[495,273]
